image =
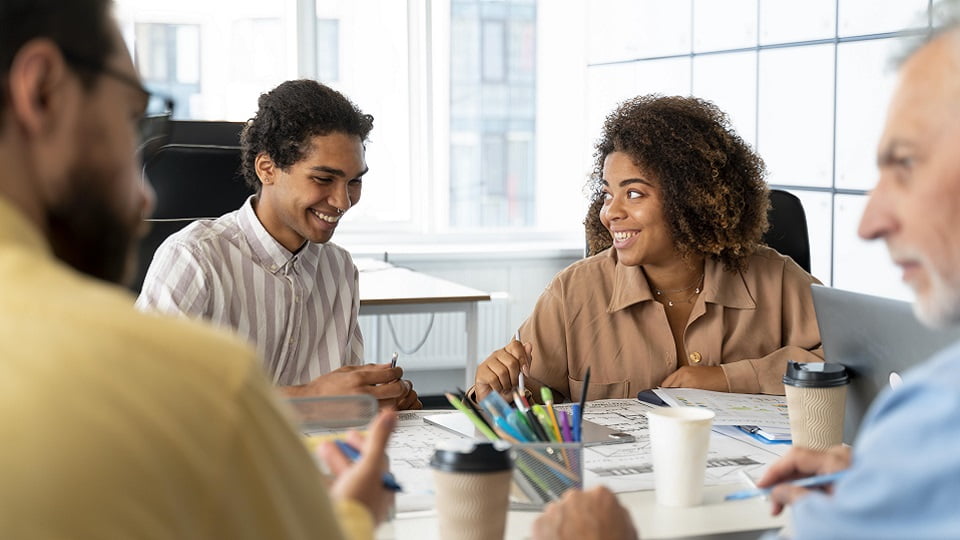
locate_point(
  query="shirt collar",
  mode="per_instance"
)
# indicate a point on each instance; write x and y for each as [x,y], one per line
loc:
[16,229]
[267,251]
[728,289]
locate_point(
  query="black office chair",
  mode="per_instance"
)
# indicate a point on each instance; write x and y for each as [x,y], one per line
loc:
[788,227]
[787,233]
[191,182]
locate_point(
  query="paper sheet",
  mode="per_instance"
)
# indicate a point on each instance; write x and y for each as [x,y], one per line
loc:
[629,467]
[621,467]
[732,409]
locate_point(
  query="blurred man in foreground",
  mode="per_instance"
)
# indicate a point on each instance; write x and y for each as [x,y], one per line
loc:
[119,424]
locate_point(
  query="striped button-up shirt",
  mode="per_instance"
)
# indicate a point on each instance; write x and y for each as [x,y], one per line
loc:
[298,309]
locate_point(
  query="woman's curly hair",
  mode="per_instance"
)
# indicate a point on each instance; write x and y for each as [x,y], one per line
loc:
[712,186]
[289,116]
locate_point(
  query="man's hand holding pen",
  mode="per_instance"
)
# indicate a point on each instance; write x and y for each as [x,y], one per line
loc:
[800,463]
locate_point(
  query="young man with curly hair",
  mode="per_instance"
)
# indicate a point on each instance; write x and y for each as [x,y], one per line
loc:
[687,296]
[269,270]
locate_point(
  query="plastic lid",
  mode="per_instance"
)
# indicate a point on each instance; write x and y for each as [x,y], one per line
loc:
[815,375]
[472,457]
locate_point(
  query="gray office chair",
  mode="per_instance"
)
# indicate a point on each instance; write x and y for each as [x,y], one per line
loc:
[787,233]
[191,182]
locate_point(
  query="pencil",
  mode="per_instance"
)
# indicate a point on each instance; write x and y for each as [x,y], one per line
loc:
[547,396]
[479,424]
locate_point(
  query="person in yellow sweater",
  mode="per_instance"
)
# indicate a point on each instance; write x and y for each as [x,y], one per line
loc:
[119,424]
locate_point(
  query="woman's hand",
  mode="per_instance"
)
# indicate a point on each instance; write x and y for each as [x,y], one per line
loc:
[702,377]
[501,370]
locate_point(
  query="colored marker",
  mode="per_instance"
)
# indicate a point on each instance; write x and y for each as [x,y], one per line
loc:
[479,424]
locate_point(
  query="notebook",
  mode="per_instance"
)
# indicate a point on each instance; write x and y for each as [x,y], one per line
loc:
[873,338]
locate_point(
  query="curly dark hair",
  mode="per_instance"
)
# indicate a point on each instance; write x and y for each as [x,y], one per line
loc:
[289,116]
[715,198]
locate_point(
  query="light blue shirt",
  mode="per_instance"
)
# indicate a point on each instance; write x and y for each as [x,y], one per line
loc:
[904,481]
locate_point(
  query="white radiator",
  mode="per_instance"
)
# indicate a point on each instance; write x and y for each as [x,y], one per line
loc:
[446,340]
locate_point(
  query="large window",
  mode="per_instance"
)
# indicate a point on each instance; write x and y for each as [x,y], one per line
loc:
[806,83]
[492,113]
[478,105]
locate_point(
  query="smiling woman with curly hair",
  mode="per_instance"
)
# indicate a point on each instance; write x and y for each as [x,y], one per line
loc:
[681,291]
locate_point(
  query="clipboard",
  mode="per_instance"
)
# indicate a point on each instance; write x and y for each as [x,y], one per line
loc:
[591,433]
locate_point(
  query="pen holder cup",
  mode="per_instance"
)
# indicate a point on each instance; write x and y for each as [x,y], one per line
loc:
[542,472]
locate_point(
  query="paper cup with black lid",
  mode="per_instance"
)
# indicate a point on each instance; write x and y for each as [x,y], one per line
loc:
[472,484]
[816,396]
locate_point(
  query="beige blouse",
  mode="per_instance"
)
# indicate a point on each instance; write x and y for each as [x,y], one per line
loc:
[602,314]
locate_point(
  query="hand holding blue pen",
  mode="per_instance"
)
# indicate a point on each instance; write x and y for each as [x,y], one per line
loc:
[389,482]
[810,481]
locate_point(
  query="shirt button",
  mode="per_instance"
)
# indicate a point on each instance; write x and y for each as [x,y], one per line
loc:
[695,357]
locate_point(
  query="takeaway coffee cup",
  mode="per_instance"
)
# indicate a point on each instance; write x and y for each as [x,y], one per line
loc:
[816,395]
[472,483]
[679,440]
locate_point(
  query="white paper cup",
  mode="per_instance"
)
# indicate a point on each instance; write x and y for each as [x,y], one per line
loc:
[679,440]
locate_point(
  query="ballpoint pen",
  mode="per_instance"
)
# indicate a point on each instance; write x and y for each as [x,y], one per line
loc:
[393,360]
[520,381]
[389,482]
[810,481]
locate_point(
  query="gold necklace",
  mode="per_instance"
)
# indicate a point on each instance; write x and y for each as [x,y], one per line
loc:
[687,300]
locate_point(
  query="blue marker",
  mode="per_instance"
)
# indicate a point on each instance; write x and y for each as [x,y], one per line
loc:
[575,420]
[389,482]
[810,481]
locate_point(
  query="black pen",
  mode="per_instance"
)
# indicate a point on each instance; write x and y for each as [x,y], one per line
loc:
[583,400]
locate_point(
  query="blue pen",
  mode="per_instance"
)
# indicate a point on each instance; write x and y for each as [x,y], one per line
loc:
[389,482]
[575,419]
[810,481]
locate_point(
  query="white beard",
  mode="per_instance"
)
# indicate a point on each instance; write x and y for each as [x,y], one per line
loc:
[940,308]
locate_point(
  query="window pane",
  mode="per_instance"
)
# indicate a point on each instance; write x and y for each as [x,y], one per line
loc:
[860,265]
[859,17]
[730,81]
[795,130]
[785,22]
[492,113]
[731,24]
[328,50]
[375,74]
[816,206]
[213,57]
[169,58]
[865,81]
[611,84]
[629,29]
